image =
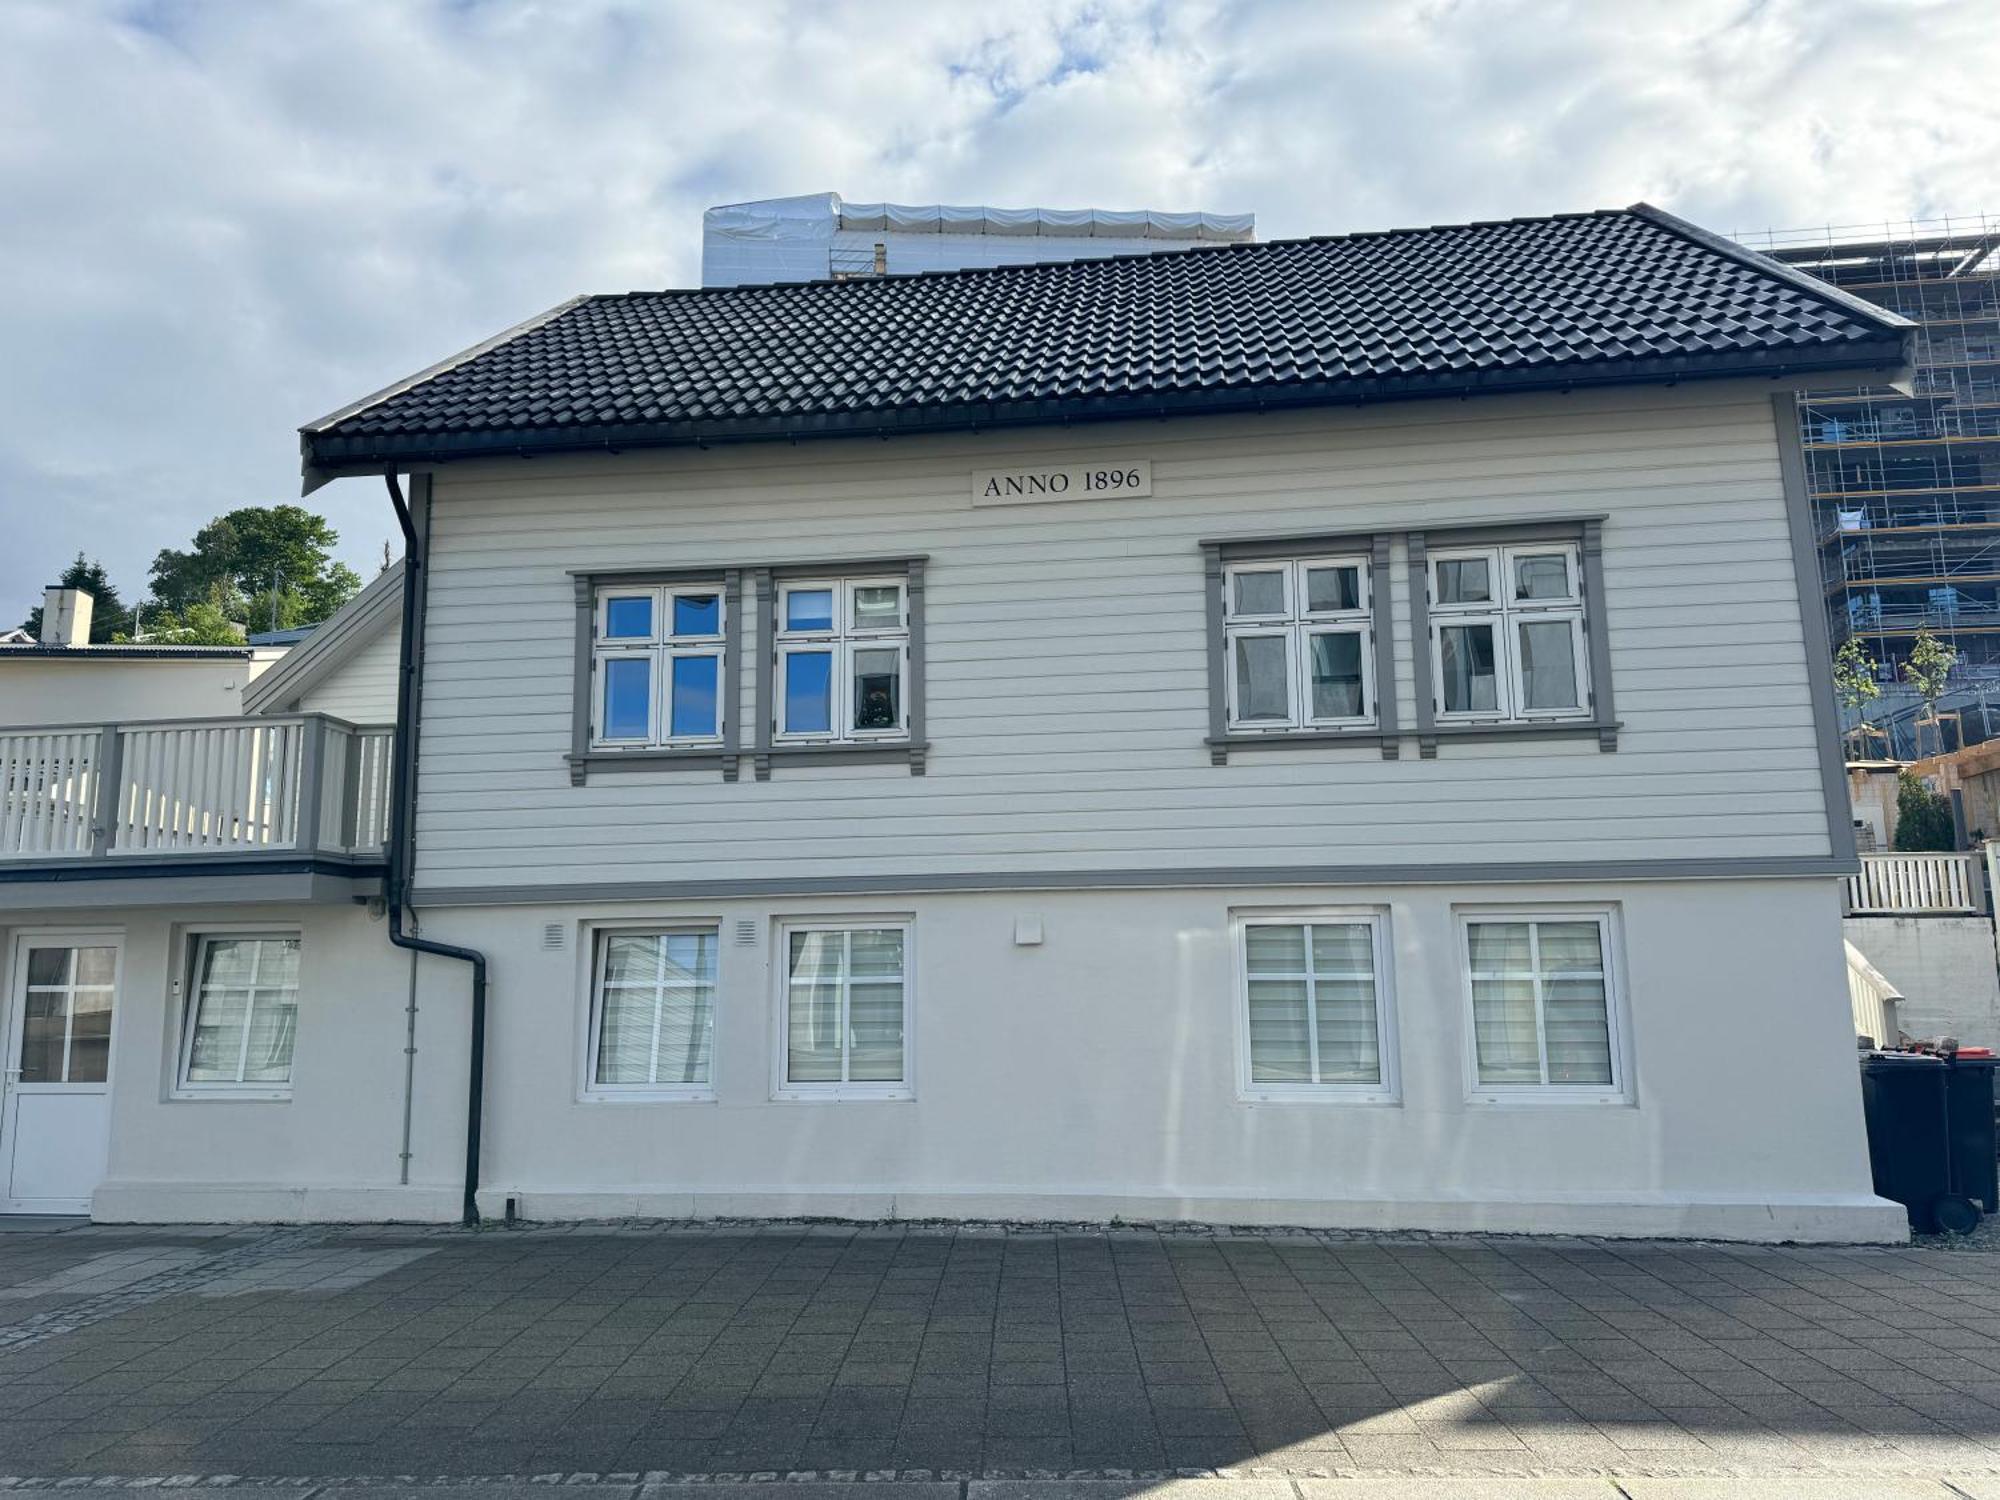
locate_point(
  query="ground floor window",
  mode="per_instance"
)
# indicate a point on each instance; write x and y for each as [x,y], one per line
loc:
[845,1010]
[242,1012]
[653,1012]
[1543,1004]
[1315,1017]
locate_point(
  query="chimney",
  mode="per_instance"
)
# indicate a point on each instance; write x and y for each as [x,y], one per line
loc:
[66,616]
[881,258]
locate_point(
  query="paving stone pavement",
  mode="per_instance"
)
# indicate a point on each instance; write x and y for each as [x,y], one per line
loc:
[954,1358]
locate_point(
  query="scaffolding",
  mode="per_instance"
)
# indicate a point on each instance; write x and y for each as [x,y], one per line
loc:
[1906,489]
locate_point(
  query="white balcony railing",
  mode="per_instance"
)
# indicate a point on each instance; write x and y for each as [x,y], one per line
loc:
[304,783]
[1912,884]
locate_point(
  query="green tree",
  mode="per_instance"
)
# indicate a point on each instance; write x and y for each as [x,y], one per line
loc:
[250,552]
[1927,669]
[1856,684]
[1923,817]
[109,617]
[202,624]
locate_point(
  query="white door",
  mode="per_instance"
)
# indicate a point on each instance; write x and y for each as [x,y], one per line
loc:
[55,1094]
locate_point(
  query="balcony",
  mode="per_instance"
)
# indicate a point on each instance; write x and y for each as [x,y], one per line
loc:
[303,793]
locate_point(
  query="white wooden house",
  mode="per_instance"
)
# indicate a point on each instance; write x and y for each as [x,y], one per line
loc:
[1327,732]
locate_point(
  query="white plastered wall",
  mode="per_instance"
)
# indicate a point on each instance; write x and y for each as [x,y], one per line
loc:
[1091,1077]
[331,1151]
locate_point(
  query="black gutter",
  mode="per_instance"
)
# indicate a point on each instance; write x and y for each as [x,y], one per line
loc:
[402,810]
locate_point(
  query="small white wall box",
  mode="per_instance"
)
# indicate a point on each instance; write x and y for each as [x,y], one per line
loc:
[1027,932]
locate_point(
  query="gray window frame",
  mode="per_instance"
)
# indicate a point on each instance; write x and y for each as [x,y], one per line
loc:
[585,757]
[1586,534]
[766,748]
[1218,556]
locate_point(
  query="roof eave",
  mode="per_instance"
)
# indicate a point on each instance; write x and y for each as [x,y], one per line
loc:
[1883,361]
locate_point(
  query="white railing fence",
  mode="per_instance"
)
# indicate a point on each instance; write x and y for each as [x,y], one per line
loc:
[1935,884]
[211,787]
[197,786]
[48,785]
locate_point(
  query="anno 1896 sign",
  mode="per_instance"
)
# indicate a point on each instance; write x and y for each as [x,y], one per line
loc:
[1114,479]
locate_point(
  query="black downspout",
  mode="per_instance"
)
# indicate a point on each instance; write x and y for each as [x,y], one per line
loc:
[402,809]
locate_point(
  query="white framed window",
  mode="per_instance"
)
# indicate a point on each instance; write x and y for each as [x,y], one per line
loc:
[1315,1009]
[652,1013]
[657,662]
[844,1009]
[1543,1001]
[1507,634]
[240,1015]
[1298,644]
[843,661]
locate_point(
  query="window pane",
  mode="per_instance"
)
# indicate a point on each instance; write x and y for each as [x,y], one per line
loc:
[697,614]
[1261,593]
[49,965]
[1335,662]
[692,703]
[218,1035]
[878,688]
[878,606]
[273,1016]
[1274,950]
[1464,580]
[228,961]
[1571,946]
[687,957]
[1332,588]
[1579,1034]
[1349,1049]
[631,960]
[1548,665]
[686,1034]
[876,953]
[875,1016]
[629,618]
[625,1034]
[42,1025]
[1348,948]
[809,692]
[628,697]
[90,1033]
[278,962]
[1280,1044]
[1262,678]
[1503,1026]
[809,609]
[96,965]
[1498,947]
[815,955]
[812,1037]
[1545,576]
[1465,662]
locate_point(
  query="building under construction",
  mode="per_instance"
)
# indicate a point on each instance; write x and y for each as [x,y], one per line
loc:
[1906,489]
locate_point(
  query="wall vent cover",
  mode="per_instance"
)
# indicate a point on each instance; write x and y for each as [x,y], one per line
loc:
[746,932]
[552,937]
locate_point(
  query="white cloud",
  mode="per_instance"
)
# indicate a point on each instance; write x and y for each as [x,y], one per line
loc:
[220,220]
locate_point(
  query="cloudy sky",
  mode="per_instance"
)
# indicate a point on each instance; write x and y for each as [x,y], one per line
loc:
[221,218]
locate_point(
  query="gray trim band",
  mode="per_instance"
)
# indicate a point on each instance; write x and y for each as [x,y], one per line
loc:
[1766,867]
[1812,612]
[811,568]
[585,675]
[1218,690]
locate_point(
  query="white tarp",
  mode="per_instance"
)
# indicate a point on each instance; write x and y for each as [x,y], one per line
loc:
[814,235]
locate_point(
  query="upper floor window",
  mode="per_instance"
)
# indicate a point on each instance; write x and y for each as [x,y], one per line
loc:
[1507,634]
[843,660]
[1299,644]
[657,656]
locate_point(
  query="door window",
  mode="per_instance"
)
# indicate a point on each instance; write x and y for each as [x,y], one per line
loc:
[66,1015]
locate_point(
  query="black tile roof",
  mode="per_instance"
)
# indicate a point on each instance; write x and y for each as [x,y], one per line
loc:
[1616,296]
